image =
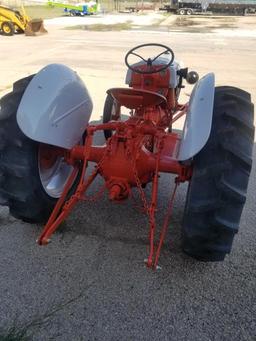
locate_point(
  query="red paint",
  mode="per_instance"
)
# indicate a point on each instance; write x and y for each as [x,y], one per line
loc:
[138,151]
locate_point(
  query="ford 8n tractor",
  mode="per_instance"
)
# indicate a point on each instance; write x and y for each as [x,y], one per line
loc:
[46,145]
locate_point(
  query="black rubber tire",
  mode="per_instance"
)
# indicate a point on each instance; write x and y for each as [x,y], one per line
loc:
[19,31]
[217,190]
[20,185]
[246,11]
[181,11]
[72,13]
[10,26]
[109,106]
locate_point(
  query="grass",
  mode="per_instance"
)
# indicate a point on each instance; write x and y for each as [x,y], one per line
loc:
[43,12]
[14,334]
[101,27]
[25,332]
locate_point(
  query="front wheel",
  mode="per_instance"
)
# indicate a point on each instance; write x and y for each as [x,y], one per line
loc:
[8,28]
[217,190]
[32,175]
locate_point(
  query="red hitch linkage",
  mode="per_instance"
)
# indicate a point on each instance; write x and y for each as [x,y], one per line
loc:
[123,162]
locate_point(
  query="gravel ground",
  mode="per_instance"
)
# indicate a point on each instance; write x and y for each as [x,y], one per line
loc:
[90,283]
[97,260]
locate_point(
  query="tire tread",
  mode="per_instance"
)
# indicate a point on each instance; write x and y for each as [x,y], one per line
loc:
[208,230]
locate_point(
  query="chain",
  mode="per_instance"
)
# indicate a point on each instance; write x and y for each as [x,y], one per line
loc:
[150,209]
[137,204]
[138,182]
[147,207]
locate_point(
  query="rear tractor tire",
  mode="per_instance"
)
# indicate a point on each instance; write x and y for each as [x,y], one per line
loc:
[217,190]
[28,187]
[110,112]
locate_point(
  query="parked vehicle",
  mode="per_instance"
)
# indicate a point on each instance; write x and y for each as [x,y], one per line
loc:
[81,9]
[13,21]
[189,7]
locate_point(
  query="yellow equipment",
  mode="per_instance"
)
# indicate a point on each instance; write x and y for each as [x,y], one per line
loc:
[12,21]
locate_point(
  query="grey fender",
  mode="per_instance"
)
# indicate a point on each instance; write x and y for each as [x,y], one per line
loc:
[55,108]
[197,127]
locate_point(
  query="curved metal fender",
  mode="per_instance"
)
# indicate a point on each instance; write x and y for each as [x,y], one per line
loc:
[55,108]
[198,122]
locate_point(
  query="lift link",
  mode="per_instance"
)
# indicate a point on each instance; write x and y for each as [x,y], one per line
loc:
[153,257]
[64,206]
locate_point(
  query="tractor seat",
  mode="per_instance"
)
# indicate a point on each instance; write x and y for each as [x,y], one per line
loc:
[134,99]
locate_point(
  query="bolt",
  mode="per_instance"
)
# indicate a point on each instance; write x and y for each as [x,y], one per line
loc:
[114,192]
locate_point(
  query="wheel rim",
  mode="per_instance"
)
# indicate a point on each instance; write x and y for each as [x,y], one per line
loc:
[115,112]
[6,29]
[53,171]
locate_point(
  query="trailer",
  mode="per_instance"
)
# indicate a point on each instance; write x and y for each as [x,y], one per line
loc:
[208,7]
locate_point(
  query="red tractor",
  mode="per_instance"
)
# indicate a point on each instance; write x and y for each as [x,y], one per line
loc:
[46,146]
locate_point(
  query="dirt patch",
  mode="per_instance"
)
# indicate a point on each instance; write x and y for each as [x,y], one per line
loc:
[101,27]
[182,24]
[208,24]
[196,24]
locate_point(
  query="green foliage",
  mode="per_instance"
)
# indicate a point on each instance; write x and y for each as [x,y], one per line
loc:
[24,333]
[14,334]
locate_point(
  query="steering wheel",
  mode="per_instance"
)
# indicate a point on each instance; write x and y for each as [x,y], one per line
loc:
[150,61]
